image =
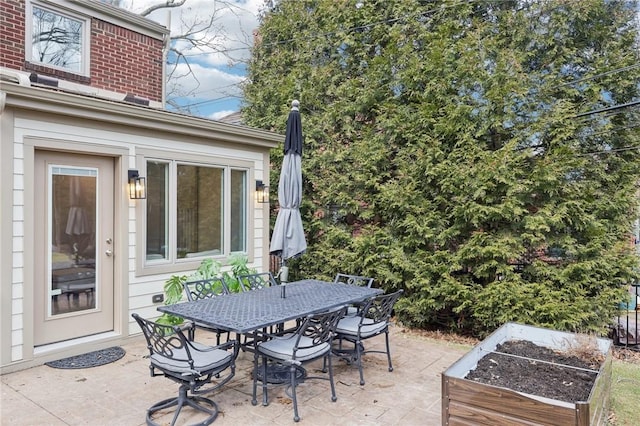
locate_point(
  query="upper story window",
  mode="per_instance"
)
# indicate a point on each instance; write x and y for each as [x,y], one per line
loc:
[57,39]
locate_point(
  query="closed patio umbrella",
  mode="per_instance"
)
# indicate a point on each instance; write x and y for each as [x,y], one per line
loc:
[77,219]
[78,225]
[288,240]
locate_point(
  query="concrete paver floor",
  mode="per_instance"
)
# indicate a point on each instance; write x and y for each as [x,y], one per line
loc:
[119,393]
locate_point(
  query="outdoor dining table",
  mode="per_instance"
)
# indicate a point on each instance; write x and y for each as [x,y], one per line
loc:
[257,309]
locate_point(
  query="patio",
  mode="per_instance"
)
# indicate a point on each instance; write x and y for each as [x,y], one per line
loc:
[120,392]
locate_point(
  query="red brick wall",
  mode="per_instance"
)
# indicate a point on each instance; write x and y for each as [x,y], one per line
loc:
[12,34]
[121,60]
[124,61]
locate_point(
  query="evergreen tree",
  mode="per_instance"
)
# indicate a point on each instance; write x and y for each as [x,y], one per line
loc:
[473,153]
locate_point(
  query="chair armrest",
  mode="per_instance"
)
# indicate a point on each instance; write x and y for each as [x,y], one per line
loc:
[208,348]
[233,343]
[230,344]
[264,335]
[186,326]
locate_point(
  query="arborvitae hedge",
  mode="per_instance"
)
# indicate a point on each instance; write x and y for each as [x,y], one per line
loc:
[447,151]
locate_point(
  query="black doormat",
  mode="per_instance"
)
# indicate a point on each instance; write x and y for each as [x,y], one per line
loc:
[91,359]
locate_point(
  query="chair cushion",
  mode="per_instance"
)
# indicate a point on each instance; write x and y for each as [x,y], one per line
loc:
[349,326]
[204,359]
[281,348]
[352,311]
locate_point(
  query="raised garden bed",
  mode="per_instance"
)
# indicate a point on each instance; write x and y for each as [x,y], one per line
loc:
[500,397]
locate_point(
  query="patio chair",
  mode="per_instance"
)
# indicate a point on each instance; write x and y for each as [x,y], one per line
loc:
[206,289]
[249,282]
[372,320]
[194,366]
[353,280]
[311,341]
[257,281]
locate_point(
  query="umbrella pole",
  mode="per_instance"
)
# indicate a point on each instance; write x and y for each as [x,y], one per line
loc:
[283,276]
[283,272]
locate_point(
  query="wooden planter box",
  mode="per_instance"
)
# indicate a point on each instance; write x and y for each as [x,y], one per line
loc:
[467,402]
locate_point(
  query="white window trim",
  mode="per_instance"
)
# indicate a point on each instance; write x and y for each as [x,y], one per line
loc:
[172,264]
[85,66]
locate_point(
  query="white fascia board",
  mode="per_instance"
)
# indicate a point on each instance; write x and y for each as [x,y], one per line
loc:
[114,15]
[71,105]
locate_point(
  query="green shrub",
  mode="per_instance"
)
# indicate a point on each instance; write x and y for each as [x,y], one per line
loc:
[209,268]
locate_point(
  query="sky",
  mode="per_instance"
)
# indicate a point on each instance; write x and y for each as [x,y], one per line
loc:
[216,91]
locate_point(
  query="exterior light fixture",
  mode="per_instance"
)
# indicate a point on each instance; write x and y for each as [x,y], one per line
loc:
[137,186]
[262,192]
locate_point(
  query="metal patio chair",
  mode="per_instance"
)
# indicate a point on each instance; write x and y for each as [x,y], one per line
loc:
[311,341]
[194,366]
[353,280]
[372,320]
[257,281]
[206,289]
[249,282]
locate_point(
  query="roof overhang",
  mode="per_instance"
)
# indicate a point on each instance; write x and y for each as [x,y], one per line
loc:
[122,113]
[115,15]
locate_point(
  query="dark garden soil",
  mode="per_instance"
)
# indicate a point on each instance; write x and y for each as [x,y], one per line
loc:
[525,367]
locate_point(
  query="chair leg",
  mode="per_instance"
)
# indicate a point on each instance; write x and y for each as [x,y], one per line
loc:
[292,378]
[265,397]
[196,402]
[254,399]
[358,349]
[334,398]
[386,336]
[162,405]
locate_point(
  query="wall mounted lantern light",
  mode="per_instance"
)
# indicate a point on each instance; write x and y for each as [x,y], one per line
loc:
[262,192]
[137,186]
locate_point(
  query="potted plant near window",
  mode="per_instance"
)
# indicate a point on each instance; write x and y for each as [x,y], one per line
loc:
[239,266]
[209,268]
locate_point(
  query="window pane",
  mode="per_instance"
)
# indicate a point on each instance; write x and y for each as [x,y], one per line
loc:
[56,40]
[72,250]
[157,210]
[238,210]
[200,211]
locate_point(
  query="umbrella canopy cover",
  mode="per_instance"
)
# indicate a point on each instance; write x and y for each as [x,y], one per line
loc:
[288,238]
[77,218]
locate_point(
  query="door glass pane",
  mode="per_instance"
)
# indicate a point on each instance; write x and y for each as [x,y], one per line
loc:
[157,211]
[238,210]
[200,211]
[72,236]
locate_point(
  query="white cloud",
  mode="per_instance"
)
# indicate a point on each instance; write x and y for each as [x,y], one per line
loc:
[211,82]
[219,114]
[235,21]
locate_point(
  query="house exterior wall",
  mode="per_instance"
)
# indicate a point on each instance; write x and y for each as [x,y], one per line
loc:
[126,58]
[12,33]
[36,118]
[123,59]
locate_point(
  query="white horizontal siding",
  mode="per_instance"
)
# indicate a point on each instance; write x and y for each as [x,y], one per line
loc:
[139,289]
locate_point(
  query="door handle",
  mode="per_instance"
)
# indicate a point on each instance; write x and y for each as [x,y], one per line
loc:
[109,253]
